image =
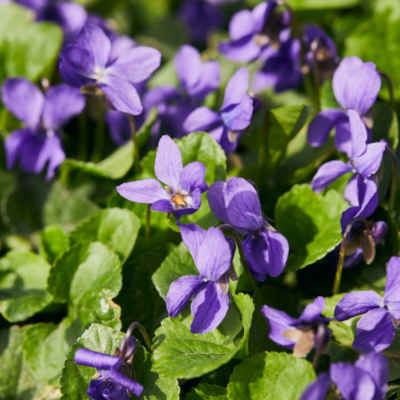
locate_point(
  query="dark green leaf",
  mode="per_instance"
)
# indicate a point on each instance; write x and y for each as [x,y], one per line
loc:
[207,392]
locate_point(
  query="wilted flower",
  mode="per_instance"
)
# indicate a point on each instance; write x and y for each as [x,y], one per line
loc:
[43,115]
[300,334]
[185,185]
[377,328]
[356,86]
[236,202]
[212,255]
[227,125]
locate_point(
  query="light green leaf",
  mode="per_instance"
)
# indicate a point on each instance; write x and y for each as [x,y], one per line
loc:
[23,281]
[320,5]
[207,392]
[13,17]
[310,222]
[53,242]
[75,378]
[178,353]
[270,376]
[115,227]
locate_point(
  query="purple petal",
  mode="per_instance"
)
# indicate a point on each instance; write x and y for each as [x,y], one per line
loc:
[209,81]
[357,303]
[213,256]
[146,191]
[131,346]
[122,95]
[62,102]
[278,322]
[23,99]
[358,134]
[35,5]
[318,389]
[343,138]
[209,307]
[392,288]
[341,76]
[129,384]
[255,247]
[216,201]
[313,310]
[13,145]
[79,60]
[375,331]
[261,12]
[351,191]
[327,173]
[180,292]
[380,231]
[192,177]
[236,88]
[135,64]
[238,117]
[118,125]
[278,251]
[188,66]
[72,78]
[241,25]
[362,88]
[352,383]
[168,166]
[369,163]
[54,154]
[201,119]
[163,206]
[322,124]
[160,95]
[96,360]
[192,236]
[241,50]
[119,45]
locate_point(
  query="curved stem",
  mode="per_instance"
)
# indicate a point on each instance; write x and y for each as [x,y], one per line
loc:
[135,143]
[317,84]
[394,178]
[318,351]
[390,87]
[98,141]
[148,220]
[241,252]
[128,334]
[339,269]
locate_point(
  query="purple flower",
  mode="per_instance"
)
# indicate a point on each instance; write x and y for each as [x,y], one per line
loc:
[38,142]
[91,61]
[364,165]
[227,125]
[212,254]
[185,185]
[115,382]
[255,33]
[356,86]
[196,80]
[281,70]
[69,15]
[236,202]
[300,334]
[119,127]
[366,380]
[377,328]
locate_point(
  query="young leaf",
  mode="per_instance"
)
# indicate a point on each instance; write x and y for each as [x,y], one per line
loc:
[53,242]
[207,392]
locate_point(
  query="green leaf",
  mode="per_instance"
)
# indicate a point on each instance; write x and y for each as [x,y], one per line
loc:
[83,268]
[270,376]
[53,242]
[178,353]
[393,355]
[23,279]
[75,378]
[310,222]
[66,207]
[13,17]
[45,347]
[207,392]
[114,227]
[320,5]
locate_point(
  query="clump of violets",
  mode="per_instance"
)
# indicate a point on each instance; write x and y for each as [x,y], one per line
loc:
[226,125]
[377,328]
[236,202]
[366,380]
[43,115]
[301,334]
[115,381]
[92,62]
[182,195]
[356,86]
[196,79]
[212,255]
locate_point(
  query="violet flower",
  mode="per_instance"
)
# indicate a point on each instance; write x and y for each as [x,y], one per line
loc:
[115,382]
[196,81]
[257,32]
[377,328]
[364,165]
[70,16]
[236,202]
[90,61]
[281,70]
[212,255]
[356,86]
[185,185]
[44,115]
[226,126]
[366,380]
[119,127]
[300,334]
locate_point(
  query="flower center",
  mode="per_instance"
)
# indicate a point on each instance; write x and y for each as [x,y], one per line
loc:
[178,200]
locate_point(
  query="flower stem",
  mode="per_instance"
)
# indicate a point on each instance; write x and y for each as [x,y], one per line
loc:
[135,143]
[394,178]
[129,334]
[83,137]
[148,220]
[338,277]
[241,252]
[318,351]
[98,141]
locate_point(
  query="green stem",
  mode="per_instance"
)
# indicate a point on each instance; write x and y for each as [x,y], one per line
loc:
[317,84]
[128,334]
[390,87]
[83,137]
[135,143]
[98,141]
[318,351]
[148,220]
[241,252]
[394,178]
[262,155]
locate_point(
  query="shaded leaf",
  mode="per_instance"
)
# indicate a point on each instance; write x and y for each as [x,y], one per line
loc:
[53,242]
